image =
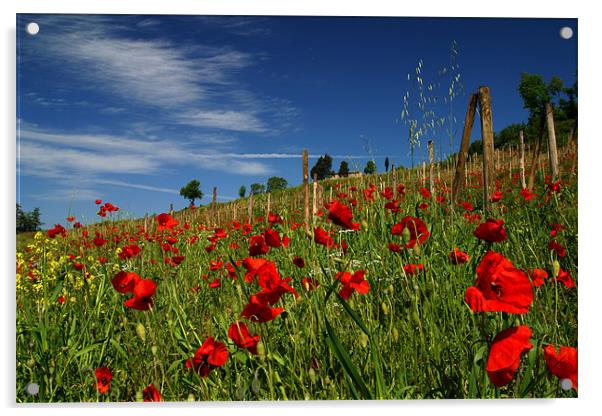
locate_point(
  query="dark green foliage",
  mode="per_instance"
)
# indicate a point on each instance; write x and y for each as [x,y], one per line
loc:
[192,191]
[276,183]
[370,168]
[242,191]
[257,188]
[28,221]
[344,169]
[323,167]
[386,164]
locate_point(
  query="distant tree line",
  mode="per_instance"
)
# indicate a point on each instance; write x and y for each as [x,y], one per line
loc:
[28,221]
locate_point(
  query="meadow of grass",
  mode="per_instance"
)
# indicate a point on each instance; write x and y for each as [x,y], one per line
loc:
[411,336]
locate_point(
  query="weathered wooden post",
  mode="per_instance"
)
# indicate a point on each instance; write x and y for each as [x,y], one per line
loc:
[267,210]
[552,149]
[488,147]
[306,188]
[535,156]
[394,173]
[315,198]
[250,208]
[459,180]
[522,159]
[145,223]
[431,149]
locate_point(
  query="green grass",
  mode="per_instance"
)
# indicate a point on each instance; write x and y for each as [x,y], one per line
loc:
[410,337]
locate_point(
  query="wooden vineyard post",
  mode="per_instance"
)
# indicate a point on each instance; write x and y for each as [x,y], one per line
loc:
[250,208]
[315,199]
[306,189]
[535,157]
[488,147]
[575,145]
[423,172]
[394,174]
[431,149]
[267,210]
[552,150]
[145,223]
[521,139]
[460,178]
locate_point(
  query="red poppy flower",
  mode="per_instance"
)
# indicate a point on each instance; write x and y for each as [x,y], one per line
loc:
[417,230]
[538,276]
[393,206]
[554,246]
[401,189]
[458,257]
[554,186]
[413,269]
[563,364]
[467,206]
[215,283]
[99,241]
[166,221]
[500,287]
[272,238]
[143,293]
[323,238]
[103,379]
[556,228]
[61,300]
[79,266]
[252,265]
[395,248]
[70,219]
[299,262]
[341,215]
[239,333]
[274,218]
[98,201]
[565,278]
[215,265]
[497,195]
[128,252]
[505,353]
[256,311]
[426,194]
[210,355]
[151,394]
[387,193]
[124,282]
[58,229]
[352,282]
[527,194]
[491,230]
[257,246]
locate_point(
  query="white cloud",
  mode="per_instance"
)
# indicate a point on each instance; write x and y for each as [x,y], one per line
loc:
[226,120]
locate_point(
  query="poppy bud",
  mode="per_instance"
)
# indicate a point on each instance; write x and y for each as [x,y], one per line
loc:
[417,250]
[555,268]
[312,375]
[139,397]
[365,225]
[261,350]
[190,397]
[276,377]
[239,393]
[31,362]
[406,235]
[385,308]
[395,334]
[363,340]
[154,349]
[141,331]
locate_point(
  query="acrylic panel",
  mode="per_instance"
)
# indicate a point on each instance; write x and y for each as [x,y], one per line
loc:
[262,208]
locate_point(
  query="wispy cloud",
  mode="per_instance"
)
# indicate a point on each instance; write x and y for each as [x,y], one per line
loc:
[225,120]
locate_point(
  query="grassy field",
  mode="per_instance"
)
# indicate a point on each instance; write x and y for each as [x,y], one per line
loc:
[400,334]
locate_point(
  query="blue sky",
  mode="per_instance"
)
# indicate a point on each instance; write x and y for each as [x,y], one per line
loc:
[128,109]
